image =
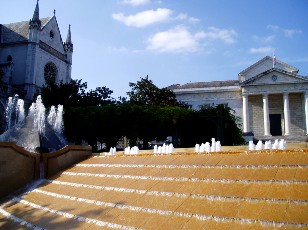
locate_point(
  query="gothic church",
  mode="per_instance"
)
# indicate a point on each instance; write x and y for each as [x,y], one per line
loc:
[32,52]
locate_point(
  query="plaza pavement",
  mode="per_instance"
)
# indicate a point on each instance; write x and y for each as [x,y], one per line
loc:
[227,190]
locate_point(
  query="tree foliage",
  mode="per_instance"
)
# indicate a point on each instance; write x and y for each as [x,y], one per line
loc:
[108,123]
[144,92]
[74,94]
[150,113]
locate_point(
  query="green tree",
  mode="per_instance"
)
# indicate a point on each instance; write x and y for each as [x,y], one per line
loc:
[217,122]
[74,94]
[144,92]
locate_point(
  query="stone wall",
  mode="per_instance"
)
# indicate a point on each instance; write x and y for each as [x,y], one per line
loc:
[64,158]
[297,115]
[17,167]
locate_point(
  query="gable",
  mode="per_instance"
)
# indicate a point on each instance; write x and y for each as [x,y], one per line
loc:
[50,34]
[275,76]
[264,65]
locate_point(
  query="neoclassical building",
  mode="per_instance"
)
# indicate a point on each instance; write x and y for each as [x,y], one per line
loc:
[269,96]
[32,52]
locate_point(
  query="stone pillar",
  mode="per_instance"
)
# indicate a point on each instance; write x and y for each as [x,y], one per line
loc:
[306,111]
[286,111]
[266,115]
[245,114]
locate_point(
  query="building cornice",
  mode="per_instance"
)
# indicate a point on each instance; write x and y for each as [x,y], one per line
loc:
[207,90]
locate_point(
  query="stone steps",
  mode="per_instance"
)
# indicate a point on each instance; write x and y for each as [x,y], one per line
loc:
[259,190]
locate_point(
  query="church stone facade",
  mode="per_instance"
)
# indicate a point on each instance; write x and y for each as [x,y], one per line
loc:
[270,98]
[31,53]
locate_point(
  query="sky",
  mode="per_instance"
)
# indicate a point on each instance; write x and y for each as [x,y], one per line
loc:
[172,41]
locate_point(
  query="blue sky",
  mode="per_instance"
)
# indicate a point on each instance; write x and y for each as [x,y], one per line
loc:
[172,41]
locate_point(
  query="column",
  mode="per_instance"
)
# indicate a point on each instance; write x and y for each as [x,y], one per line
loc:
[286,111]
[245,114]
[266,115]
[306,111]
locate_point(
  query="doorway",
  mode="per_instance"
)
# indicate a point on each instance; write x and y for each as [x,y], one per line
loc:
[275,124]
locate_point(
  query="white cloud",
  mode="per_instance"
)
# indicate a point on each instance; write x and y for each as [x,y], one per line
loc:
[185,17]
[227,36]
[262,50]
[136,2]
[176,40]
[144,18]
[181,40]
[266,39]
[273,28]
[289,33]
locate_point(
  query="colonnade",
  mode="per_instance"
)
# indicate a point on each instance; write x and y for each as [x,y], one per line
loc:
[266,120]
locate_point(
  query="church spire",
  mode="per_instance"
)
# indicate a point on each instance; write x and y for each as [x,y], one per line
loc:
[69,36]
[35,22]
[68,45]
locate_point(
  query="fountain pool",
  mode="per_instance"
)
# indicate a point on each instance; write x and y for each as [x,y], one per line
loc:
[34,132]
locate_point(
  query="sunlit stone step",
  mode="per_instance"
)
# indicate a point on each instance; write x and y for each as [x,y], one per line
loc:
[252,190]
[37,217]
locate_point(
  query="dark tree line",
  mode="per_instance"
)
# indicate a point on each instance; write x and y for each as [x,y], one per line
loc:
[149,113]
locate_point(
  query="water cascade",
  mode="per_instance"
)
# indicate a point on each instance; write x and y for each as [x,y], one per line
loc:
[14,112]
[207,148]
[34,132]
[278,144]
[131,151]
[164,149]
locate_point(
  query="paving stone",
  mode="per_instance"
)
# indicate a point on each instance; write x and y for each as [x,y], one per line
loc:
[273,211]
[250,209]
[142,184]
[176,172]
[227,202]
[160,202]
[297,213]
[194,223]
[167,186]
[286,174]
[301,174]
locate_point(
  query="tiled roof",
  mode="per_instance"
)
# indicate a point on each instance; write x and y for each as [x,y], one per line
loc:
[18,31]
[206,84]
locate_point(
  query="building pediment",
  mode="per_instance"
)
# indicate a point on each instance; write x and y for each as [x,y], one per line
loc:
[275,76]
[264,65]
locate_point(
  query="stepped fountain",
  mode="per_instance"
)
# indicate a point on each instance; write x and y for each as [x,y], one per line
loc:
[34,132]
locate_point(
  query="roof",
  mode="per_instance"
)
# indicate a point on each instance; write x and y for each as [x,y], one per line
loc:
[268,58]
[193,85]
[18,31]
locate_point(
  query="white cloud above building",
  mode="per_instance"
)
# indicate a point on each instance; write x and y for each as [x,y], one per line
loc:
[144,18]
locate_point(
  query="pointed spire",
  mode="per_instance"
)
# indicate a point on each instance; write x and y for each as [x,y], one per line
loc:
[36,15]
[68,45]
[69,36]
[35,22]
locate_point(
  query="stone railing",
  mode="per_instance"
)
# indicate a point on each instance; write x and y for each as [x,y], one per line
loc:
[19,167]
[64,158]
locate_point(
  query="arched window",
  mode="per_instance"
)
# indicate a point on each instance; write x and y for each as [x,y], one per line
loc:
[51,34]
[50,72]
[9,58]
